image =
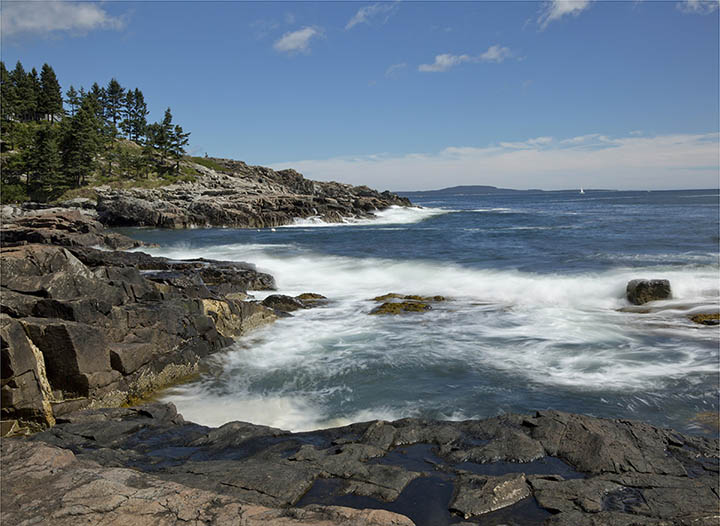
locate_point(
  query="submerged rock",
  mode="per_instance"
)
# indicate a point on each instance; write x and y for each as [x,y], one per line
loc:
[401,307]
[640,291]
[707,318]
[413,297]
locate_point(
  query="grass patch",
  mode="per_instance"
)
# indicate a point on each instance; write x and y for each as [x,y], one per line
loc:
[207,163]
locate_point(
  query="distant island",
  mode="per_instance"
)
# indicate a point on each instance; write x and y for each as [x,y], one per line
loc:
[486,190]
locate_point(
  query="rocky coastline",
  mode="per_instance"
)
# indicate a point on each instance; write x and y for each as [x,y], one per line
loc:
[88,330]
[230,194]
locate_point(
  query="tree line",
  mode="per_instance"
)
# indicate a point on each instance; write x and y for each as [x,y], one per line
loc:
[51,143]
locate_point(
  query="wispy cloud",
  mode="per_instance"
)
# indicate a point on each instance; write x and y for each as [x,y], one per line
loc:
[700,7]
[297,41]
[364,15]
[45,18]
[592,160]
[556,9]
[395,69]
[445,61]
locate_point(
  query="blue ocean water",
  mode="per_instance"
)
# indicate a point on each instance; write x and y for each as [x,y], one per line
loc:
[536,316]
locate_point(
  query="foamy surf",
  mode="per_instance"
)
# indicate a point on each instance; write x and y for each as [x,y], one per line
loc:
[330,365]
[394,215]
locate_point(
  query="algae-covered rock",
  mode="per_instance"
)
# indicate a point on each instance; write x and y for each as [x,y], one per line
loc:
[401,307]
[311,299]
[712,318]
[640,291]
[412,297]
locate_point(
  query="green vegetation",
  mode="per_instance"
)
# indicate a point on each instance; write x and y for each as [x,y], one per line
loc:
[50,147]
[207,163]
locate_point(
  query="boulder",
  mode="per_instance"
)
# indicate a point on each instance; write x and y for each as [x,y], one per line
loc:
[711,318]
[401,307]
[640,291]
[283,303]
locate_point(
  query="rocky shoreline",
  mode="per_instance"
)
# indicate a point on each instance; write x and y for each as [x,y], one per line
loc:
[88,330]
[232,194]
[146,465]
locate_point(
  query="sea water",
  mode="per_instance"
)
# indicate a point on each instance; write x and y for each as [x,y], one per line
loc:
[536,287]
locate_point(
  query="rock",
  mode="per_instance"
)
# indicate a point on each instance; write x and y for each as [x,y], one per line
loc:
[53,485]
[707,318]
[237,195]
[625,472]
[66,228]
[283,303]
[311,299]
[401,307]
[477,495]
[82,326]
[641,291]
[393,296]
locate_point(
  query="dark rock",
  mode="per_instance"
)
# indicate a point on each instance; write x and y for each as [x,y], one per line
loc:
[401,307]
[641,291]
[633,480]
[283,303]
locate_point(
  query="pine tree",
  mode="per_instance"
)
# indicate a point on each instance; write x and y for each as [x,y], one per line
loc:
[128,112]
[178,141]
[25,100]
[139,116]
[73,99]
[34,80]
[50,101]
[82,141]
[7,102]
[46,167]
[114,100]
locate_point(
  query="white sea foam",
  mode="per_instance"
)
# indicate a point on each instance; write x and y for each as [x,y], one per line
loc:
[325,366]
[394,215]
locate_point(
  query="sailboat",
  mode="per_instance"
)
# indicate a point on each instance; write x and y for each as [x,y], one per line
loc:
[582,191]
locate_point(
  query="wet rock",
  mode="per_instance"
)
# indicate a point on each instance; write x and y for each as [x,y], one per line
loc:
[412,297]
[311,299]
[712,318]
[401,307]
[283,303]
[477,495]
[53,485]
[629,483]
[640,291]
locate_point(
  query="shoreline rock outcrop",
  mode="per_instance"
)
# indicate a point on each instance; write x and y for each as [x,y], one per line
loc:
[641,291]
[548,468]
[83,326]
[233,194]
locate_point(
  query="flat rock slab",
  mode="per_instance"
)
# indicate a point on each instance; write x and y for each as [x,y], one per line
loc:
[589,470]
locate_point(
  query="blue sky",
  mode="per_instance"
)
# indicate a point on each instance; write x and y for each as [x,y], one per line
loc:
[410,95]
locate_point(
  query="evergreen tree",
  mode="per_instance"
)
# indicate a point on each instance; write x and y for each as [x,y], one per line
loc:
[178,141]
[128,111]
[82,142]
[114,101]
[25,100]
[73,99]
[50,102]
[47,179]
[34,80]
[6,95]
[135,123]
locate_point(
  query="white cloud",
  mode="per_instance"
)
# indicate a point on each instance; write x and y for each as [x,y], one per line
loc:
[297,41]
[590,161]
[58,16]
[367,13]
[556,9]
[701,7]
[445,61]
[496,53]
[395,69]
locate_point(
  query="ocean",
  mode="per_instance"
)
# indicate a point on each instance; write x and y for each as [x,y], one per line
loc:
[534,320]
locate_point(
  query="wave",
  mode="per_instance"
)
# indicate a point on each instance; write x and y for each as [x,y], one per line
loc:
[393,215]
[501,333]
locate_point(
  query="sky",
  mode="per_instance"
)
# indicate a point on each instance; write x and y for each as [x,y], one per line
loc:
[410,95]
